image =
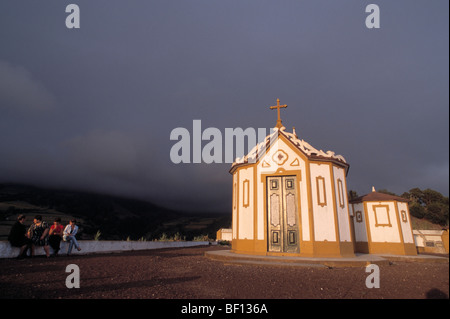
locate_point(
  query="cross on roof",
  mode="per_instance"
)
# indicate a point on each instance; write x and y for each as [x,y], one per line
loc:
[278,106]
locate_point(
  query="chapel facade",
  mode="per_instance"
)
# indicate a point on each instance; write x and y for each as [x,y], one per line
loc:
[290,199]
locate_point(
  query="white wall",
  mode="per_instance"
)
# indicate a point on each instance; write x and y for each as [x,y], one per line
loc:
[245,230]
[226,234]
[406,227]
[342,212]
[102,246]
[360,227]
[383,233]
[324,221]
[422,236]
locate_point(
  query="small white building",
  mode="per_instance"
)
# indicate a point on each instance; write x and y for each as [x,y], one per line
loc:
[382,224]
[224,234]
[431,241]
[290,198]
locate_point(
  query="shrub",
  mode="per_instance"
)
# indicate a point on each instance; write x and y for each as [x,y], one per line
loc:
[417,210]
[437,213]
[97,235]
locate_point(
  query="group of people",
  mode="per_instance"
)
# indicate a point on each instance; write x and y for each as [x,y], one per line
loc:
[40,234]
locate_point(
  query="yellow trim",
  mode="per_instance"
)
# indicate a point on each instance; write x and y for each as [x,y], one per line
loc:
[275,159]
[319,199]
[312,236]
[374,208]
[234,196]
[341,193]
[237,207]
[358,216]
[404,217]
[410,251]
[445,240]
[295,162]
[367,220]
[350,222]
[246,193]
[399,226]
[336,217]
[255,203]
[392,248]
[248,246]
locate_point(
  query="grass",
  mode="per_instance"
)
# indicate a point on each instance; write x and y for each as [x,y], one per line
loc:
[423,224]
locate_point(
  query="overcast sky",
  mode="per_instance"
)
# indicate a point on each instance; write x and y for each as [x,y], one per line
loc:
[93,108]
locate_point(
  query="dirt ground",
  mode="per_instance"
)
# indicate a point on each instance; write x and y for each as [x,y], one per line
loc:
[187,274]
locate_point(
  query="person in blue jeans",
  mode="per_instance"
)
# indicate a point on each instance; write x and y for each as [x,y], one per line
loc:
[69,236]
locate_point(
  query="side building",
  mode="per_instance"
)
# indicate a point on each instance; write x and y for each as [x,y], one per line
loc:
[382,224]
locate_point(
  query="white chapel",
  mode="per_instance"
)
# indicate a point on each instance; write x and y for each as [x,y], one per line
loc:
[290,199]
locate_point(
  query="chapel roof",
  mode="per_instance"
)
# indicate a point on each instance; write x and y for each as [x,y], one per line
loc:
[279,130]
[312,153]
[378,197]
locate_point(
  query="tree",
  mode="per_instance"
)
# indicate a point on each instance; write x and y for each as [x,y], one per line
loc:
[437,213]
[431,196]
[417,210]
[385,191]
[415,195]
[352,194]
[429,204]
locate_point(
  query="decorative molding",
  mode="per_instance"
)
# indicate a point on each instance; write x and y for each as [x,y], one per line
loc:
[358,216]
[234,195]
[340,189]
[246,193]
[305,147]
[379,213]
[295,162]
[265,164]
[321,191]
[280,157]
[290,209]
[290,183]
[275,209]
[404,216]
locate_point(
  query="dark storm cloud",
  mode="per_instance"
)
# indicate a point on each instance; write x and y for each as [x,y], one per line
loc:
[94,108]
[19,90]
